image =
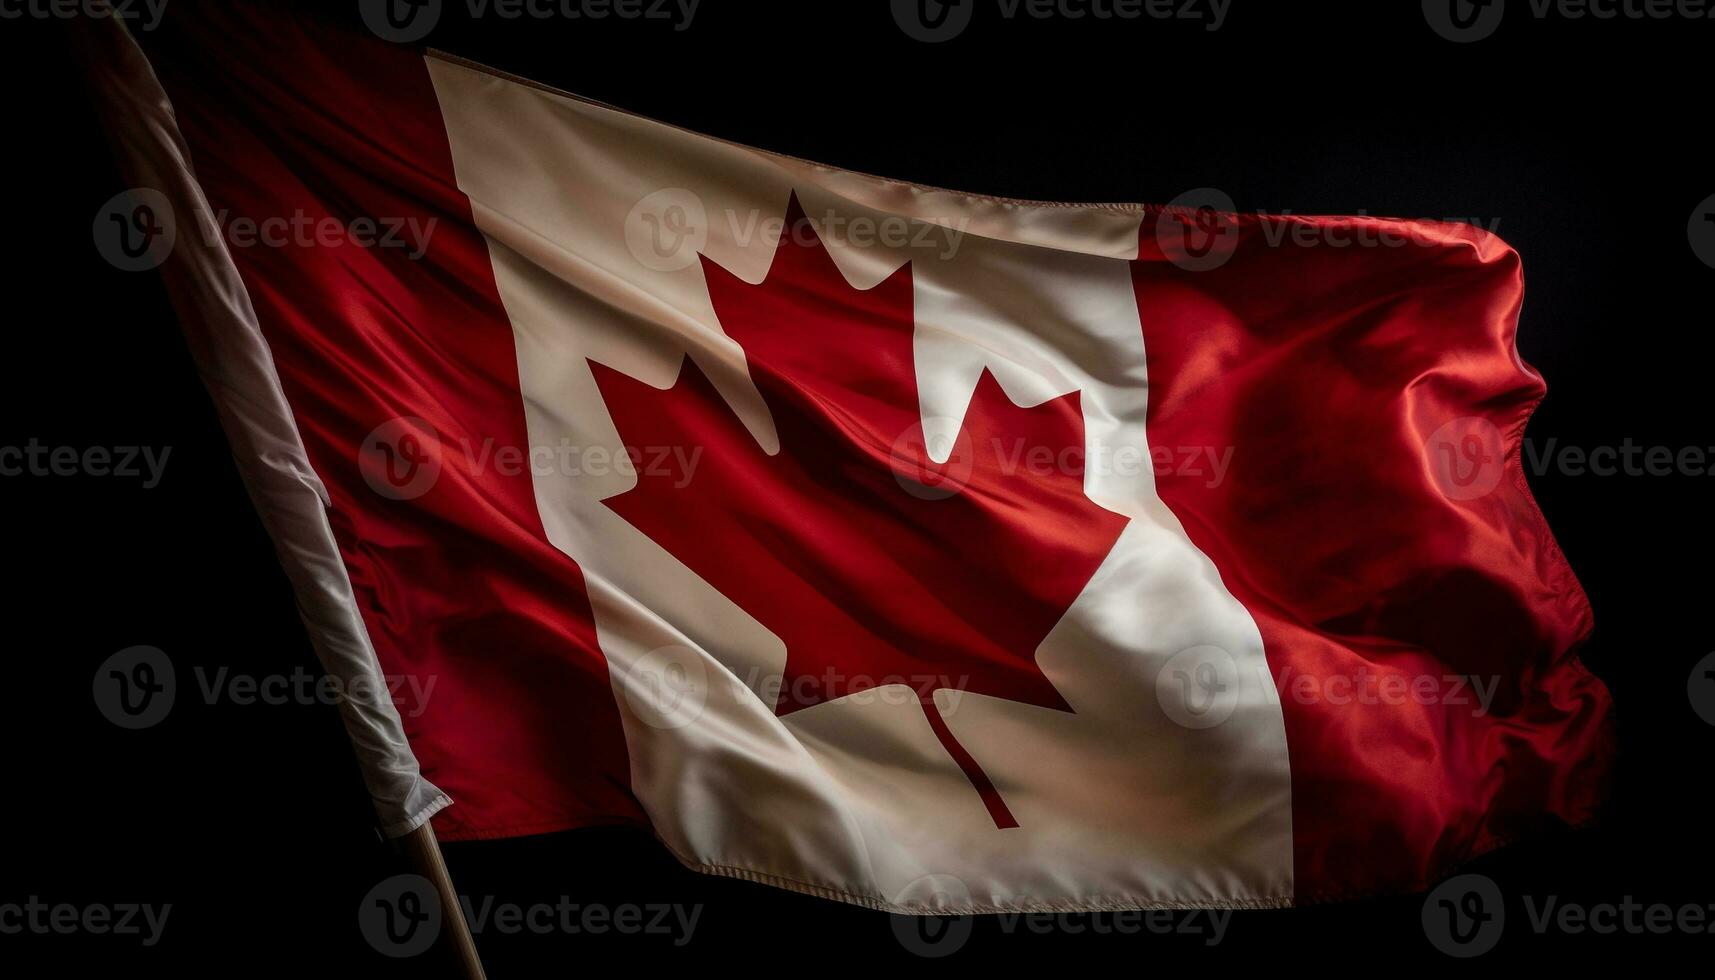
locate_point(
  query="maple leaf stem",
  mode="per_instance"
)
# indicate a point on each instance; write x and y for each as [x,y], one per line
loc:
[1003,818]
[827,532]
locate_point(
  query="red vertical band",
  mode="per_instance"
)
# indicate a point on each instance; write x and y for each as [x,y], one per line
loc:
[396,354]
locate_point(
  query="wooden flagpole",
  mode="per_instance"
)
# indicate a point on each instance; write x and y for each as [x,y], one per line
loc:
[423,852]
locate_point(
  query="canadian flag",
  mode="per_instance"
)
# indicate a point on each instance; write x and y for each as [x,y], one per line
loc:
[919,549]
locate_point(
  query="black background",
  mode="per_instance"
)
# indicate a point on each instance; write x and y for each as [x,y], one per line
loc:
[1583,139]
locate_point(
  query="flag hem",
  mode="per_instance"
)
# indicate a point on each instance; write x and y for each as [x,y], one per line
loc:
[879,904]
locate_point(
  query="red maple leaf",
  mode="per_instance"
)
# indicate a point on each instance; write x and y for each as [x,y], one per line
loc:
[870,561]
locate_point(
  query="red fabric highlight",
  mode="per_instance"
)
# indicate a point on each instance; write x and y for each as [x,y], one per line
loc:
[1376,523]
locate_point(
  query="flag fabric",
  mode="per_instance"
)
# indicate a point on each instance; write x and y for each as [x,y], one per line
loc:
[914,548]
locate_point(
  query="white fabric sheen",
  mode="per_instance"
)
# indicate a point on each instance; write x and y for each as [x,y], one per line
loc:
[235,364]
[855,799]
